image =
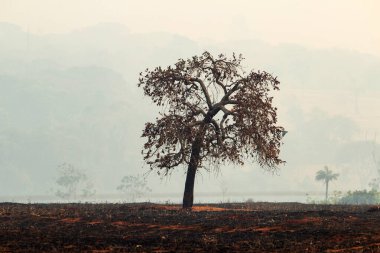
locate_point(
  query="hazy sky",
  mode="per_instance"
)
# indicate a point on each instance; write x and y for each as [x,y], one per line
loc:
[73,97]
[348,24]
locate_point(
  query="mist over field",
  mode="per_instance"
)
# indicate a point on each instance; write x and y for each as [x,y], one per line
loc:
[72,97]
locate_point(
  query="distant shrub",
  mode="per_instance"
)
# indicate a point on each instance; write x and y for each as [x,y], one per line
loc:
[250,200]
[362,197]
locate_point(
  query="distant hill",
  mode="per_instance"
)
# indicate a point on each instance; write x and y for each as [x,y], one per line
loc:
[73,98]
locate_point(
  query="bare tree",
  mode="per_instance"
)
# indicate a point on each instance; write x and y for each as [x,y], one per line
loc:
[375,182]
[70,179]
[224,188]
[134,186]
[212,112]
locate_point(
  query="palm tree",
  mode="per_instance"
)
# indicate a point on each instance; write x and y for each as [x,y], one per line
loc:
[326,175]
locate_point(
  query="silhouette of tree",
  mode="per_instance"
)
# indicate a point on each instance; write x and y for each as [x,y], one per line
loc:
[375,182]
[134,186]
[212,112]
[326,175]
[70,179]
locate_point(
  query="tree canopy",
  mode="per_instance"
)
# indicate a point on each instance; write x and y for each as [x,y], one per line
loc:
[212,112]
[326,175]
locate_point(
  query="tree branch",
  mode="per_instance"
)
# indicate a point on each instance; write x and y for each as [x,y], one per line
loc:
[217,75]
[235,87]
[204,89]
[196,110]
[217,131]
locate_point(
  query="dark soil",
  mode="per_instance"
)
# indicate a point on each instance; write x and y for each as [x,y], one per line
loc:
[248,227]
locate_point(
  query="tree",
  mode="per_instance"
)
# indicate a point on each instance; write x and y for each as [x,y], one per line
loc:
[326,175]
[71,179]
[375,182]
[134,186]
[212,112]
[224,188]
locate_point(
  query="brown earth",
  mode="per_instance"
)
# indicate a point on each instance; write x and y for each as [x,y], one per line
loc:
[247,227]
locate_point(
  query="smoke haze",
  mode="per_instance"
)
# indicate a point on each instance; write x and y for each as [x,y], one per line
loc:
[72,97]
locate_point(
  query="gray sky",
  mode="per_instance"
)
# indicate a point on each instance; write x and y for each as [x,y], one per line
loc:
[72,96]
[348,24]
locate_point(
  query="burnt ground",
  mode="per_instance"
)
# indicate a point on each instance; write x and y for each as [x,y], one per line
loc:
[247,227]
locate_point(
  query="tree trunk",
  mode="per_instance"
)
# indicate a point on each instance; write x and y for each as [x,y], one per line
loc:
[327,190]
[188,195]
